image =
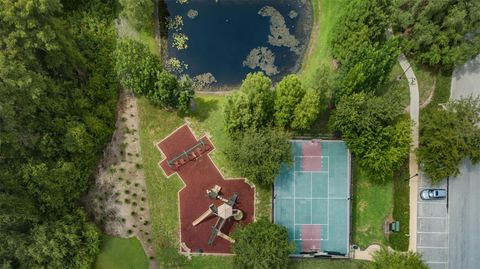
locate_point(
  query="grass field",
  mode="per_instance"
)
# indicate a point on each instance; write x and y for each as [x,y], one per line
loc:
[431,80]
[325,14]
[401,209]
[120,253]
[155,124]
[372,203]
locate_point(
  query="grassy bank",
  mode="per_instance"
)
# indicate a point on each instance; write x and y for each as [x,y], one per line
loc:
[401,209]
[325,13]
[372,203]
[120,253]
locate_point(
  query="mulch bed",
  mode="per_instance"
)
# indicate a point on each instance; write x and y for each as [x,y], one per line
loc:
[201,174]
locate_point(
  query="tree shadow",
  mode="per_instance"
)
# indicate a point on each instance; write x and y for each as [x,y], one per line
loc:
[203,108]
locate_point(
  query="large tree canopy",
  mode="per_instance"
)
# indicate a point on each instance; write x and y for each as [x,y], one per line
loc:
[258,154]
[361,24]
[136,66]
[138,12]
[58,95]
[375,132]
[447,136]
[261,244]
[289,93]
[368,69]
[439,33]
[252,106]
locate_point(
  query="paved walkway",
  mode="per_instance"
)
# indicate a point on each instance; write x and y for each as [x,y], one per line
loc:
[413,166]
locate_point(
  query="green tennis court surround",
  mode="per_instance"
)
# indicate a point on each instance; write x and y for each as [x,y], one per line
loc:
[312,197]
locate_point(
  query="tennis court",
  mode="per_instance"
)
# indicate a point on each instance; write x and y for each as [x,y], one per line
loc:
[311,197]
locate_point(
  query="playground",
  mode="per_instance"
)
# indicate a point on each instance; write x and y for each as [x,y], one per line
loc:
[209,204]
[312,197]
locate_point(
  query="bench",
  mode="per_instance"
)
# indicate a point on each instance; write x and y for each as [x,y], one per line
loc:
[394,226]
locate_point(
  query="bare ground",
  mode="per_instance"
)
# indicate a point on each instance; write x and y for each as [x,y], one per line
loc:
[118,201]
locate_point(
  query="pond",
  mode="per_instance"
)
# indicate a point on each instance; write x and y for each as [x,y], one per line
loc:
[218,42]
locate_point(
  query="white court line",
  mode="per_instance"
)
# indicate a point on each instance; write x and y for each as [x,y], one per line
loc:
[294,220]
[311,195]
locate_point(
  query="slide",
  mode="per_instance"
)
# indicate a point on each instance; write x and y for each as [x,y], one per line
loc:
[202,217]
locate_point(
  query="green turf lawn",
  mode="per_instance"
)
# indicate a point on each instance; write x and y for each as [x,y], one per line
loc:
[120,253]
[326,264]
[371,204]
[329,11]
[155,124]
[401,209]
[430,79]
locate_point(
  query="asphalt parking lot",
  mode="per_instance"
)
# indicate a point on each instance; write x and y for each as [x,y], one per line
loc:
[432,227]
[464,210]
[464,197]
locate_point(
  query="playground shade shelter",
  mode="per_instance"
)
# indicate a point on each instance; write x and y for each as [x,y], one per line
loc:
[311,197]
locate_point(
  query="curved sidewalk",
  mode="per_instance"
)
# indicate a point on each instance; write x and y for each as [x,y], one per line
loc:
[412,160]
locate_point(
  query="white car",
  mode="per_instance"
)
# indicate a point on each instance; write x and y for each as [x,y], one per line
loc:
[433,194]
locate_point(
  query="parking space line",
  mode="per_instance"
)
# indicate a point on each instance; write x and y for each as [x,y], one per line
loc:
[433,217]
[431,247]
[432,203]
[432,232]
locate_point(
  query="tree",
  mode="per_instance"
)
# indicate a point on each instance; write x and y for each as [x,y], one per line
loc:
[363,23]
[374,131]
[288,94]
[261,244]
[137,12]
[58,94]
[384,258]
[368,68]
[439,33]
[258,154]
[448,136]
[306,112]
[136,66]
[186,94]
[69,242]
[251,106]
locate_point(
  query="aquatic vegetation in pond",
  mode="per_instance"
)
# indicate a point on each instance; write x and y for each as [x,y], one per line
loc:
[279,32]
[203,80]
[175,65]
[180,41]
[292,14]
[175,23]
[192,13]
[263,58]
[182,2]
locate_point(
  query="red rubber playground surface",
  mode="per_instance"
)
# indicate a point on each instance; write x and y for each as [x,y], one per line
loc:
[199,175]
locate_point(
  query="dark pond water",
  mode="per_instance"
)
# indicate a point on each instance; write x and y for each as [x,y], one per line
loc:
[222,34]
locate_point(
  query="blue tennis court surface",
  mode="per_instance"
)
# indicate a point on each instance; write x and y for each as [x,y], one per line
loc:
[311,197]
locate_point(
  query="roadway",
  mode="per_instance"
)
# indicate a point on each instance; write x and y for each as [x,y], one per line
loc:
[464,197]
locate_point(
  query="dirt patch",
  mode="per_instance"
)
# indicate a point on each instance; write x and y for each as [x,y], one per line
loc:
[118,200]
